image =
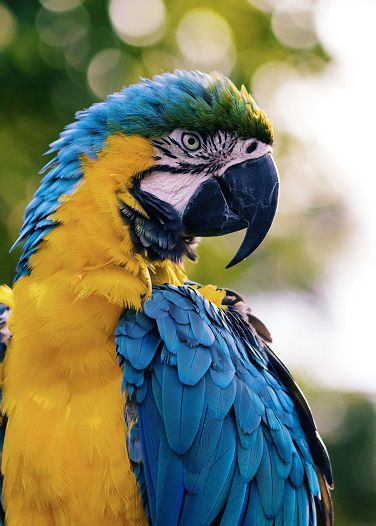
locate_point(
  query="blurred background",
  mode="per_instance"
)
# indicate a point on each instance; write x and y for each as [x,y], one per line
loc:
[310,65]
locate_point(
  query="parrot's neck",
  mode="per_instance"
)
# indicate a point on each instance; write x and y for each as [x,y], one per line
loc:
[90,252]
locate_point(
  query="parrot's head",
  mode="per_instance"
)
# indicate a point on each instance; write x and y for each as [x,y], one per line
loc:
[156,165]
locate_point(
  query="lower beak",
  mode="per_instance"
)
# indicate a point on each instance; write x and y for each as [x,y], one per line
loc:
[246,196]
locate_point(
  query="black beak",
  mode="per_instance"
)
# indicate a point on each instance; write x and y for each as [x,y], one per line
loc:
[246,196]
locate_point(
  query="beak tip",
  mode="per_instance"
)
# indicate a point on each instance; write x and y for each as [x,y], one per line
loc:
[232,263]
[240,256]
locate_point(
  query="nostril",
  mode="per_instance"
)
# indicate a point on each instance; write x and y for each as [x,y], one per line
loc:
[251,147]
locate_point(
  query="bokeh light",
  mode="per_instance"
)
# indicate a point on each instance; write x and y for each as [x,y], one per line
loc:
[59,29]
[60,5]
[8,26]
[103,72]
[138,22]
[290,5]
[110,70]
[77,47]
[265,82]
[292,21]
[295,27]
[205,40]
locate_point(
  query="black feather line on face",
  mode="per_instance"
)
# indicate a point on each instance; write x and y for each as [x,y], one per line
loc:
[161,234]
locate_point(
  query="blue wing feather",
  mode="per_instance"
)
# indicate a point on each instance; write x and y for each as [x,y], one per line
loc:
[297,470]
[270,486]
[255,512]
[202,508]
[247,417]
[170,487]
[204,444]
[192,363]
[234,510]
[219,399]
[150,425]
[249,458]
[221,439]
[289,505]
[182,409]
[157,392]
[140,351]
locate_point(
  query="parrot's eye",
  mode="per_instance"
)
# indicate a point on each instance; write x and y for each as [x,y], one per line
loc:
[191,141]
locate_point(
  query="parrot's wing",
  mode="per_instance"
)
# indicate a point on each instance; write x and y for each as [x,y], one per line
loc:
[212,431]
[234,301]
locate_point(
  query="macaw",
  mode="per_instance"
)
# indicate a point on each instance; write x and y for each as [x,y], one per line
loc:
[131,395]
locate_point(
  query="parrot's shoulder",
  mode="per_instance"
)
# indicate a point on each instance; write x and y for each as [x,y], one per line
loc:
[194,369]
[234,301]
[191,328]
[229,299]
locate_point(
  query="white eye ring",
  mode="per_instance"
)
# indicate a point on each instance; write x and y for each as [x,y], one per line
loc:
[191,141]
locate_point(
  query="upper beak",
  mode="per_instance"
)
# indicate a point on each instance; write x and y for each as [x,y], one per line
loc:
[246,196]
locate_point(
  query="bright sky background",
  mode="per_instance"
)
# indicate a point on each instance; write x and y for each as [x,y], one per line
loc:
[335,344]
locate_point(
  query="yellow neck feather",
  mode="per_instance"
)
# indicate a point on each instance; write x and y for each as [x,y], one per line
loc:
[91,250]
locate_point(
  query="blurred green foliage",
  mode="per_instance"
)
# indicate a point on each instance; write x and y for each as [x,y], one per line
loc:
[55,61]
[348,424]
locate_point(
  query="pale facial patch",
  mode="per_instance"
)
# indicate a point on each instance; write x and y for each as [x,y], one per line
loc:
[175,189]
[186,159]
